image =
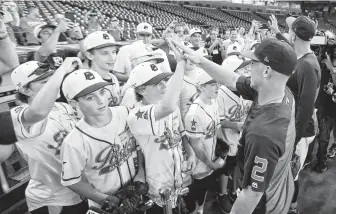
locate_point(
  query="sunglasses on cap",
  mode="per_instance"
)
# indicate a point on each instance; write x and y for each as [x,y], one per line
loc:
[42,69]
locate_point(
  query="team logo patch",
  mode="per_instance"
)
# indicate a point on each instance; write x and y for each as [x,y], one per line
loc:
[57,61]
[89,76]
[254,184]
[146,27]
[235,48]
[106,36]
[266,59]
[154,67]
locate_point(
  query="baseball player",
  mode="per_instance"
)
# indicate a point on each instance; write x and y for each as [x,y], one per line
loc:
[40,125]
[157,127]
[267,141]
[129,99]
[99,155]
[233,110]
[100,49]
[195,39]
[201,124]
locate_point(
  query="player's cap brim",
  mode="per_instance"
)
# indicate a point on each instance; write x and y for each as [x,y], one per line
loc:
[249,55]
[290,20]
[138,60]
[144,32]
[92,88]
[158,78]
[43,76]
[244,64]
[210,82]
[104,46]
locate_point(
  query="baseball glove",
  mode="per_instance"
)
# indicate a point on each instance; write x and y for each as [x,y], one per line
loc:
[127,199]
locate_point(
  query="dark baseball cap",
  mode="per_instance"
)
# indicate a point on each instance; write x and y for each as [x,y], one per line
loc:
[277,54]
[304,28]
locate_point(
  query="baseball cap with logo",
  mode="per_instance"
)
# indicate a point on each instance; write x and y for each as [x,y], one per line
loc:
[303,27]
[30,72]
[235,61]
[146,74]
[275,53]
[144,28]
[98,39]
[141,52]
[233,48]
[195,30]
[82,82]
[204,78]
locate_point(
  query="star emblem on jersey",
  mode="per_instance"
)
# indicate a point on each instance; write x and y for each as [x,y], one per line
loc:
[193,122]
[139,114]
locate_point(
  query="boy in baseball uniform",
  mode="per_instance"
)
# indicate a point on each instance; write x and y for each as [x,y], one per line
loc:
[100,49]
[201,124]
[99,155]
[40,126]
[157,126]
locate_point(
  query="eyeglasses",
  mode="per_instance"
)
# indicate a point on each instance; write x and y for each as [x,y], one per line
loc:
[43,68]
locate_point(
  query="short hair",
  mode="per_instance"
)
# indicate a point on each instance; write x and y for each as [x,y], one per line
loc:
[139,97]
[22,97]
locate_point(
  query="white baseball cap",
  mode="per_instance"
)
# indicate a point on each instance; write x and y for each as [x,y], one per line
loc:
[233,48]
[39,28]
[82,82]
[289,21]
[141,52]
[234,62]
[29,72]
[98,39]
[195,30]
[144,28]
[146,74]
[203,78]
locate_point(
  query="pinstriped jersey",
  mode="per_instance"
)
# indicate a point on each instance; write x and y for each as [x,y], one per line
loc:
[103,156]
[40,146]
[202,122]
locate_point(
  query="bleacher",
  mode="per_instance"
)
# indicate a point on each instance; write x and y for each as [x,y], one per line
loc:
[158,14]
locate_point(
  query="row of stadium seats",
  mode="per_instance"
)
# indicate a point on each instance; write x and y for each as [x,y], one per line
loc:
[159,15]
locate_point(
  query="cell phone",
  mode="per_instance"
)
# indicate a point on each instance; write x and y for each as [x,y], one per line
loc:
[264,26]
[70,16]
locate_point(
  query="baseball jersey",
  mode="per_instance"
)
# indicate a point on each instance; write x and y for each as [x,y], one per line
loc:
[265,149]
[187,95]
[103,156]
[202,122]
[40,146]
[161,143]
[235,109]
[114,89]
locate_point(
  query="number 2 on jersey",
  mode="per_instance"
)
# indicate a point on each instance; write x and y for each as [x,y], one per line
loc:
[260,169]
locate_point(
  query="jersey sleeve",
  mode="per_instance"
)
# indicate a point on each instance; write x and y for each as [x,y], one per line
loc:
[193,126]
[73,160]
[261,157]
[22,132]
[142,121]
[244,89]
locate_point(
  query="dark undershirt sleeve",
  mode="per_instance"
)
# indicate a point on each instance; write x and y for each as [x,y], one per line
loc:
[244,89]
[307,88]
[7,133]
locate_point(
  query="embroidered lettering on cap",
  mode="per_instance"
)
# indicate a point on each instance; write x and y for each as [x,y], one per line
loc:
[154,67]
[89,76]
[146,27]
[106,36]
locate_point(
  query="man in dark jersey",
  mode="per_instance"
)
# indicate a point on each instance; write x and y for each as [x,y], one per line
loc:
[268,137]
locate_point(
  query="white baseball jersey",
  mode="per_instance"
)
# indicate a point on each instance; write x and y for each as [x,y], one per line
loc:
[235,109]
[187,95]
[40,146]
[115,91]
[202,122]
[103,156]
[122,65]
[161,144]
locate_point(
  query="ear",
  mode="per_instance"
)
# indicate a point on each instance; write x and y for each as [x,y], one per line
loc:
[268,72]
[89,55]
[26,91]
[140,90]
[73,103]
